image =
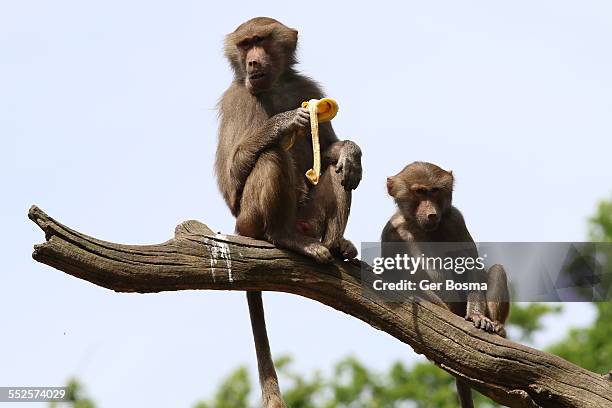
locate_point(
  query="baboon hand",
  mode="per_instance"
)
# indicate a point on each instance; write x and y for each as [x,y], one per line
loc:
[293,120]
[349,163]
[481,321]
[345,249]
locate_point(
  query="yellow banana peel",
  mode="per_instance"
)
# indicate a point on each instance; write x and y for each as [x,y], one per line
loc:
[321,110]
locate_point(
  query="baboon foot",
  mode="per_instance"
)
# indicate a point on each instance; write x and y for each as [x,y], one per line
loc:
[481,321]
[499,328]
[307,246]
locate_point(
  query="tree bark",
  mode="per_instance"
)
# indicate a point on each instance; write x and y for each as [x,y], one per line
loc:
[197,258]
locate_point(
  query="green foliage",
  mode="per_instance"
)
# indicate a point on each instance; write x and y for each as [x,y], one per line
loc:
[526,319]
[353,385]
[76,394]
[591,347]
[600,225]
[232,393]
[303,391]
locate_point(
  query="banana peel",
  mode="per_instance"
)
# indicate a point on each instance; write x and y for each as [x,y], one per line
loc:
[321,110]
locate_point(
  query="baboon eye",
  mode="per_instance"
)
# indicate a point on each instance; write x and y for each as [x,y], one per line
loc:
[421,191]
[257,40]
[435,190]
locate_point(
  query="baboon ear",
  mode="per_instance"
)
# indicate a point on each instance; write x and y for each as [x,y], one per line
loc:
[390,186]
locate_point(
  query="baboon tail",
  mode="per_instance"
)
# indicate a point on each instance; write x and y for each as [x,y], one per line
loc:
[465,394]
[268,380]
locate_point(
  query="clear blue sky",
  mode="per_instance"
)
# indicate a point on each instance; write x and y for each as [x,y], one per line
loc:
[107,122]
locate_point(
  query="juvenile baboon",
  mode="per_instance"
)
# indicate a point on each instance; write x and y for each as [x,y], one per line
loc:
[425,214]
[263,152]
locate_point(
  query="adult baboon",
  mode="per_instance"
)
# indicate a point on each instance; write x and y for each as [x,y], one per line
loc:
[263,152]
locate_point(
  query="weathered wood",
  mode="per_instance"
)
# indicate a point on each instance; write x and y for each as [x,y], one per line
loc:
[197,258]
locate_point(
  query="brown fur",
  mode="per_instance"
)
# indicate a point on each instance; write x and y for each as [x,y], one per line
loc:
[423,194]
[263,184]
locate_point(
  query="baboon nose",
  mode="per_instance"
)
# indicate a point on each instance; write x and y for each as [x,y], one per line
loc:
[432,216]
[252,63]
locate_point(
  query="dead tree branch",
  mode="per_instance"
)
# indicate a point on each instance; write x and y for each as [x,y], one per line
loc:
[197,258]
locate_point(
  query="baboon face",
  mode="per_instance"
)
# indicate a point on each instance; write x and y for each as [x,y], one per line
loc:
[423,193]
[259,51]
